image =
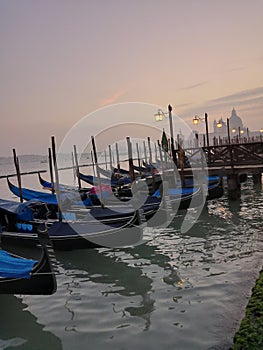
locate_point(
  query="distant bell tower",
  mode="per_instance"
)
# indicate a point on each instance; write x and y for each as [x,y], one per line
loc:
[235,121]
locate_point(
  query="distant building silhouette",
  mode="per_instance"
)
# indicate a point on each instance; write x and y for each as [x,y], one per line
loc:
[235,121]
[235,125]
[236,130]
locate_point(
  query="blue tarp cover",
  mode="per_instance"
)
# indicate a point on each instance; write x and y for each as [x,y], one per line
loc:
[9,206]
[49,198]
[177,191]
[15,267]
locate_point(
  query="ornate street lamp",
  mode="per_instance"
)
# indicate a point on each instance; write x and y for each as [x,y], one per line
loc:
[160,116]
[198,119]
[219,124]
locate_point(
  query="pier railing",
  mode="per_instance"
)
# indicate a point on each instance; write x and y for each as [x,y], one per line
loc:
[245,155]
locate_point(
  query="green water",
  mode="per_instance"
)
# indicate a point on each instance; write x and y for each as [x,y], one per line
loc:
[176,291]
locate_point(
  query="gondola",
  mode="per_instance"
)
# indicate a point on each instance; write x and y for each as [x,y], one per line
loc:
[49,198]
[182,195]
[113,182]
[20,222]
[48,186]
[29,194]
[114,171]
[181,198]
[19,275]
[153,181]
[215,187]
[215,190]
[91,192]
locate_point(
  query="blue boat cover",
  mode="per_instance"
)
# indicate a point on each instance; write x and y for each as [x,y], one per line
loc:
[9,206]
[21,210]
[94,180]
[28,194]
[178,191]
[49,198]
[15,267]
[210,179]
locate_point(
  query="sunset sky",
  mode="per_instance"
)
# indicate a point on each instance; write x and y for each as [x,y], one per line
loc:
[62,60]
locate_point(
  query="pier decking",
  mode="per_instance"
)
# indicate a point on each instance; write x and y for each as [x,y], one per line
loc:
[232,160]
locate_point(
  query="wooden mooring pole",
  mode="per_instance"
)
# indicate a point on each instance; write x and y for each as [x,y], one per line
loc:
[131,168]
[257,178]
[18,174]
[233,186]
[54,155]
[51,170]
[76,164]
[97,170]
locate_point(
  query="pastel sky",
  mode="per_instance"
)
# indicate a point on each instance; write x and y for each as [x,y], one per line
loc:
[61,60]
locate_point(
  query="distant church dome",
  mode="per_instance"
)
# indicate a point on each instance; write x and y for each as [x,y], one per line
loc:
[235,121]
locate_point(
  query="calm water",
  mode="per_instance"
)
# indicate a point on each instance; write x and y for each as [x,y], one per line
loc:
[177,291]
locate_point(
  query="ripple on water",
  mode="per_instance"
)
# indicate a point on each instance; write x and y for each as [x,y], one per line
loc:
[177,291]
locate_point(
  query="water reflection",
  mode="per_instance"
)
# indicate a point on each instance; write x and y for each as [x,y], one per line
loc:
[116,277]
[108,296]
[225,231]
[117,272]
[20,329]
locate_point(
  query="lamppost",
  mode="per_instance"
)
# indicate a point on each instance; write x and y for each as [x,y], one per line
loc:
[240,131]
[228,131]
[198,119]
[219,124]
[160,116]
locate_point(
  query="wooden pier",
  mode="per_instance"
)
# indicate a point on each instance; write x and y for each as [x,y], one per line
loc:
[230,158]
[233,160]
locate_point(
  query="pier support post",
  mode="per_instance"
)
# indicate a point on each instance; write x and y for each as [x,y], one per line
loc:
[243,178]
[257,178]
[233,186]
